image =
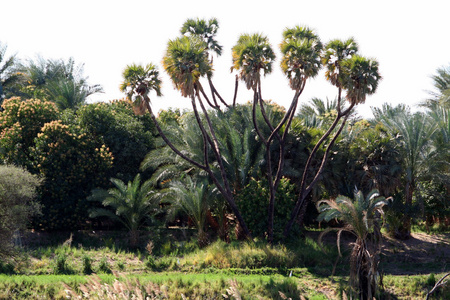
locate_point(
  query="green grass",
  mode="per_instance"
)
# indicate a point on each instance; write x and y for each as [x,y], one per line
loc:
[298,269]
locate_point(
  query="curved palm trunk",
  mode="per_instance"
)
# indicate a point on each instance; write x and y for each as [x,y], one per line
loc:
[286,121]
[225,188]
[300,205]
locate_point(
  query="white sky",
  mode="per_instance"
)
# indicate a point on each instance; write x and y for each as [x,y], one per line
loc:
[410,40]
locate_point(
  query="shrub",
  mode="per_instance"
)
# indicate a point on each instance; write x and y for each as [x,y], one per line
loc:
[72,163]
[20,122]
[87,265]
[128,136]
[253,201]
[17,192]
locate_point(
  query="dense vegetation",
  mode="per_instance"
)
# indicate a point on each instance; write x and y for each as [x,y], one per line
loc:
[252,171]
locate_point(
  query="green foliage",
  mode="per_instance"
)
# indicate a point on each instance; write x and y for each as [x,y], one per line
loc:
[87,265]
[58,81]
[72,163]
[20,122]
[17,206]
[193,197]
[186,61]
[61,265]
[251,55]
[103,266]
[362,217]
[205,30]
[133,204]
[253,201]
[10,76]
[128,137]
[301,49]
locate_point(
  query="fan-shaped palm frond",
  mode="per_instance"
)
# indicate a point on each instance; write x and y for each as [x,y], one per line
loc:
[360,78]
[206,30]
[336,51]
[251,55]
[186,61]
[301,49]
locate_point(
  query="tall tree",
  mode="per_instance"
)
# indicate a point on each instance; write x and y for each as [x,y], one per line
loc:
[10,75]
[358,77]
[186,62]
[59,81]
[253,55]
[416,132]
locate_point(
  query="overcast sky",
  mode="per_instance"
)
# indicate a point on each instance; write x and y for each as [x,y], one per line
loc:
[408,38]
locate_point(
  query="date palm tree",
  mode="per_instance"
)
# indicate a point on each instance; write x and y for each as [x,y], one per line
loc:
[9,74]
[361,217]
[194,197]
[59,81]
[132,204]
[416,133]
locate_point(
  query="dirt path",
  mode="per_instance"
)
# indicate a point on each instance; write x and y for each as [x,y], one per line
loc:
[419,254]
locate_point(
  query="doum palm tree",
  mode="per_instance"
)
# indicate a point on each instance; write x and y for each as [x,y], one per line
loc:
[252,58]
[186,62]
[359,77]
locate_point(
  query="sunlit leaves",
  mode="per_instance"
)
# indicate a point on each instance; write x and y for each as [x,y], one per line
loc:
[186,61]
[252,55]
[301,49]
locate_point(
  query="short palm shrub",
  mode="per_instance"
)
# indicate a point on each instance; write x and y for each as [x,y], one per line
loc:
[362,218]
[132,204]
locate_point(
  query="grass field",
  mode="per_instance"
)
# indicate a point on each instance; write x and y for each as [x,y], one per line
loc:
[174,268]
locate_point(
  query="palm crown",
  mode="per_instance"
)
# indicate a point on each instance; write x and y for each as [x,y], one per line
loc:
[301,55]
[205,30]
[360,78]
[335,52]
[251,55]
[140,80]
[186,61]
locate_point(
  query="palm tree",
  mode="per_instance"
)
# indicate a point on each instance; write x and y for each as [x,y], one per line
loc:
[132,204]
[318,113]
[359,77]
[206,30]
[186,62]
[362,218]
[194,197]
[59,81]
[416,133]
[139,81]
[252,55]
[441,82]
[9,74]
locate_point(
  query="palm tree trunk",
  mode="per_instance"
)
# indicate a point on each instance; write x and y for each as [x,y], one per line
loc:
[305,190]
[225,189]
[405,230]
